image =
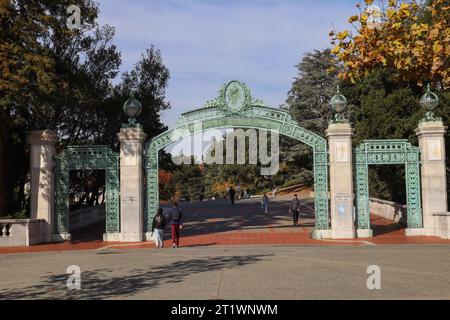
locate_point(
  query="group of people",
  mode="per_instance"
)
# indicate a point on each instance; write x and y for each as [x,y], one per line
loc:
[160,220]
[294,207]
[174,217]
[239,193]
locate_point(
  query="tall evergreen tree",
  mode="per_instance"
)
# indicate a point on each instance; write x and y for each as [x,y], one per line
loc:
[307,102]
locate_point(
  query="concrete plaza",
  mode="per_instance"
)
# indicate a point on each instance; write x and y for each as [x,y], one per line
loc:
[231,272]
[235,253]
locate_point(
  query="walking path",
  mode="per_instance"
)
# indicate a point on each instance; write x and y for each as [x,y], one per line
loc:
[210,223]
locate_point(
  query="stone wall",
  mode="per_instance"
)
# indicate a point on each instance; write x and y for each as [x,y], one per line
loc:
[389,210]
[23,232]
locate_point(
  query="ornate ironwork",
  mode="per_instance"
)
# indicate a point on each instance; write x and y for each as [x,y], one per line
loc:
[252,114]
[380,152]
[87,158]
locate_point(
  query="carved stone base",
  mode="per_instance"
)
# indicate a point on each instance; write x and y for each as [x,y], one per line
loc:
[414,232]
[321,234]
[61,237]
[116,236]
[364,233]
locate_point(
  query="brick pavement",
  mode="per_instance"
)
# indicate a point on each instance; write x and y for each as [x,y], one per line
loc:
[212,223]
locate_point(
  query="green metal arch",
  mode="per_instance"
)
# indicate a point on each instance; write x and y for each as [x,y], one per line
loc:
[255,116]
[382,152]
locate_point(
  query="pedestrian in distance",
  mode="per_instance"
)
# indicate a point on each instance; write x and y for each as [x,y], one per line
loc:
[231,194]
[265,203]
[274,192]
[175,218]
[158,225]
[294,209]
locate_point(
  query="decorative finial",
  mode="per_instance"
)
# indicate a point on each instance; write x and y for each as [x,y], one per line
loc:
[132,108]
[429,101]
[338,103]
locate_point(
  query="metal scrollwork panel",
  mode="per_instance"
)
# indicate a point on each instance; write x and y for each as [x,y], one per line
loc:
[413,195]
[152,181]
[362,197]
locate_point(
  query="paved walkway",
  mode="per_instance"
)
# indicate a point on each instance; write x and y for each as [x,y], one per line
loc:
[231,272]
[210,223]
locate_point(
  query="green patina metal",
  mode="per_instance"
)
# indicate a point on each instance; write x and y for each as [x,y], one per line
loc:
[235,108]
[87,158]
[380,152]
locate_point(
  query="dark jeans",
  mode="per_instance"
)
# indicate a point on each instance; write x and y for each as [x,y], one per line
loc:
[175,234]
[295,214]
[232,201]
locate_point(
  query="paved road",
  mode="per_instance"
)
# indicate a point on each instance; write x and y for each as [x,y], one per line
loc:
[235,272]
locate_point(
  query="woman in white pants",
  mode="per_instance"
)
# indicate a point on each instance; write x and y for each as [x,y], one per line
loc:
[158,225]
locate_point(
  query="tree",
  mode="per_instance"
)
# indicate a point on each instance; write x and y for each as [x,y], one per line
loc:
[50,77]
[148,82]
[307,102]
[407,38]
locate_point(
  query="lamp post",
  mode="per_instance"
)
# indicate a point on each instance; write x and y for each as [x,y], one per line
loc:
[132,108]
[430,101]
[338,103]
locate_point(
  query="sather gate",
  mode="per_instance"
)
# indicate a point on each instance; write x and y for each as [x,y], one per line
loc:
[235,108]
[129,208]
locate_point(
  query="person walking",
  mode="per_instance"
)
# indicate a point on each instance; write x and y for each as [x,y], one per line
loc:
[294,209]
[231,194]
[158,225]
[265,203]
[175,216]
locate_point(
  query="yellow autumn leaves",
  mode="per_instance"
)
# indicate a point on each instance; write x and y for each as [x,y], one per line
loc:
[412,41]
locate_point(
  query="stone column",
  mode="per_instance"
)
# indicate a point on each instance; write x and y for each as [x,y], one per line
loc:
[433,172]
[131,183]
[42,149]
[341,180]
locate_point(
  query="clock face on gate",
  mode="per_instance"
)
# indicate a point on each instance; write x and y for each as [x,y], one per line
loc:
[235,96]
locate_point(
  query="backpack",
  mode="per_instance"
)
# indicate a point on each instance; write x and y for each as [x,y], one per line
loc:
[175,214]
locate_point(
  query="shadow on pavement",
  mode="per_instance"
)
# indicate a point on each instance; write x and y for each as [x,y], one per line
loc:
[107,283]
[218,216]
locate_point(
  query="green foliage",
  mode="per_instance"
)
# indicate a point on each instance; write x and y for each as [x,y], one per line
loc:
[385,109]
[307,102]
[55,78]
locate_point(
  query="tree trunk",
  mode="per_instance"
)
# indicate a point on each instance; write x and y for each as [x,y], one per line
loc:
[5,163]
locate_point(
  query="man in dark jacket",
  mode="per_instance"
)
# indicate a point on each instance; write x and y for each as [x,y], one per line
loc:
[294,209]
[232,193]
[175,217]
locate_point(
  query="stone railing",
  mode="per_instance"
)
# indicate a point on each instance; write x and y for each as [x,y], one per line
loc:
[441,224]
[23,232]
[389,210]
[86,217]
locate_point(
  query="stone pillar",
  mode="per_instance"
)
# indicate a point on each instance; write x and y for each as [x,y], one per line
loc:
[341,180]
[131,183]
[433,172]
[42,149]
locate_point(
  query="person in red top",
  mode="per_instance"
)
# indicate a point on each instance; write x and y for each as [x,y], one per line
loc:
[174,218]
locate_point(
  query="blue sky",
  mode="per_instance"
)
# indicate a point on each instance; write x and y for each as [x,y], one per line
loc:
[207,43]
